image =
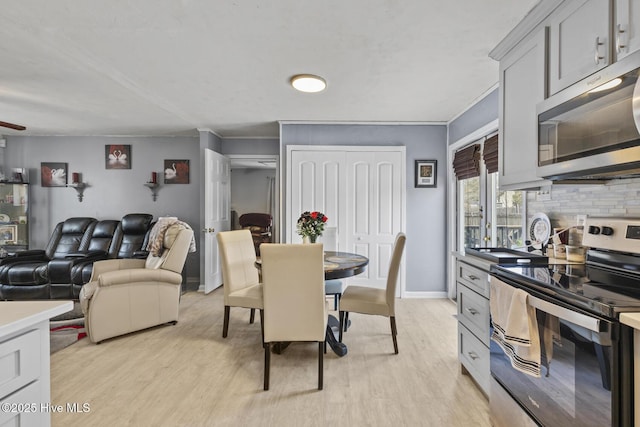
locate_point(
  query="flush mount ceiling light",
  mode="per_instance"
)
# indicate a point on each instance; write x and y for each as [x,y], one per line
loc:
[308,83]
[608,85]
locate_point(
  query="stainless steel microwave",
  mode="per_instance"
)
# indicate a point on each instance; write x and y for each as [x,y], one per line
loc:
[591,130]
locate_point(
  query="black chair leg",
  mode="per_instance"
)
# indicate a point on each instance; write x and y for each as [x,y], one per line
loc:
[346,321]
[394,332]
[267,364]
[321,346]
[225,325]
[262,325]
[340,329]
[252,316]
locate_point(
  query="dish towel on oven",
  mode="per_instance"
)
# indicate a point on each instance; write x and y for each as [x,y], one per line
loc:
[515,328]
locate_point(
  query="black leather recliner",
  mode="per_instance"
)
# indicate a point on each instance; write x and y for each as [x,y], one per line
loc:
[60,270]
[129,241]
[25,275]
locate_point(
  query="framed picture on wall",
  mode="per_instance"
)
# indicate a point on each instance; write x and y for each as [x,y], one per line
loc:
[117,156]
[426,173]
[53,174]
[176,171]
[8,234]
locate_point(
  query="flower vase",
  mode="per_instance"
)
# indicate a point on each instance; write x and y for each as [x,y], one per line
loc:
[313,238]
[309,239]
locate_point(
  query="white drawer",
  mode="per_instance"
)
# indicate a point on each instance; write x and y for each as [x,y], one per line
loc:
[474,356]
[24,408]
[19,362]
[473,277]
[473,312]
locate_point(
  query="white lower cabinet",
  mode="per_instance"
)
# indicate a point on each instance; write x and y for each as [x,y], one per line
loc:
[473,321]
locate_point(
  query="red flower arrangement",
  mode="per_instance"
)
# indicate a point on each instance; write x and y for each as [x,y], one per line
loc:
[311,224]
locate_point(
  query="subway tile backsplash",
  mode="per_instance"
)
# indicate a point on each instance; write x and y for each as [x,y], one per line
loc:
[617,198]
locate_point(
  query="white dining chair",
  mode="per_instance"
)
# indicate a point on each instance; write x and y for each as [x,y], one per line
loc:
[332,287]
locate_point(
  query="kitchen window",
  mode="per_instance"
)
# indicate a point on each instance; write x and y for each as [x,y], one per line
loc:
[486,216]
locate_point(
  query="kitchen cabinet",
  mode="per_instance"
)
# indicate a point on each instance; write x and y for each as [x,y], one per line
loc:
[472,284]
[579,41]
[25,391]
[626,28]
[14,216]
[522,86]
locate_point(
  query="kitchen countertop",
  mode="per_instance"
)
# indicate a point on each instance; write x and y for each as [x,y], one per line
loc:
[16,315]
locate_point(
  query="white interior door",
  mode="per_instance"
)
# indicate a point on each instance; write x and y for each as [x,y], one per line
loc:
[217,214]
[375,196]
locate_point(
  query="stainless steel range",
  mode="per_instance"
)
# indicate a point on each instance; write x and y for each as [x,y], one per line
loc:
[586,354]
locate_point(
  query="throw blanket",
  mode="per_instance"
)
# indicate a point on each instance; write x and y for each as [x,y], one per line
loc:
[156,237]
[515,328]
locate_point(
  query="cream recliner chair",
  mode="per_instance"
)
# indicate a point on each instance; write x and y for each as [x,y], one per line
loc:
[127,295]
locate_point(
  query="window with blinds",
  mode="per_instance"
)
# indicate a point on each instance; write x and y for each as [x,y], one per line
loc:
[466,162]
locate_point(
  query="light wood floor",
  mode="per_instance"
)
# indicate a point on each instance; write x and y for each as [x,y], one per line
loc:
[188,375]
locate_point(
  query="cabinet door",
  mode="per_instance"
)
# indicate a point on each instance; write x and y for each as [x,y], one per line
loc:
[627,27]
[522,86]
[579,42]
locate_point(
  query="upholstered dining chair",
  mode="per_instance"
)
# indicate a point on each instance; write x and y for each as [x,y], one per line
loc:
[381,302]
[294,300]
[241,283]
[332,287]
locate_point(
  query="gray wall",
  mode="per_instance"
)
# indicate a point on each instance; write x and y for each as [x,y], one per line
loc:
[482,112]
[426,207]
[112,193]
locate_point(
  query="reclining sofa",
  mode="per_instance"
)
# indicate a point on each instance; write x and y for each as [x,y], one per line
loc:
[61,269]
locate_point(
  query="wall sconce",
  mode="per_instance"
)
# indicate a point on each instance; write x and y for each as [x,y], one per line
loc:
[153,185]
[78,185]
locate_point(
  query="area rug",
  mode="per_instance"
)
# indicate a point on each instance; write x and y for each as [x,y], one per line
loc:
[66,329]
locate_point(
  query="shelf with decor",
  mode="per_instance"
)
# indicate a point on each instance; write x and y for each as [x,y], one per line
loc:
[14,216]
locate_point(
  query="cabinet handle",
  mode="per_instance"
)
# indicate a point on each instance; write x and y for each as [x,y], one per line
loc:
[619,45]
[472,311]
[473,355]
[472,277]
[597,56]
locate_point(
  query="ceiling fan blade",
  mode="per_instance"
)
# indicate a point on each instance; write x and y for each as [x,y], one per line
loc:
[12,126]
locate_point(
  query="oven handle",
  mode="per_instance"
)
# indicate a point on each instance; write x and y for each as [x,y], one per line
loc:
[591,323]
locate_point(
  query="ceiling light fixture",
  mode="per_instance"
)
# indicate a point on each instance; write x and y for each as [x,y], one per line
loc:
[308,83]
[608,85]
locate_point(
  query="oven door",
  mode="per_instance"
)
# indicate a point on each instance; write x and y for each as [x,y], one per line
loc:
[578,385]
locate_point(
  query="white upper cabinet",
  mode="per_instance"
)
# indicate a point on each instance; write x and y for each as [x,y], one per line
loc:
[579,41]
[522,87]
[627,27]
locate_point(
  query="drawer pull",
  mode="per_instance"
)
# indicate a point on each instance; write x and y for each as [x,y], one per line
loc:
[472,277]
[473,311]
[473,355]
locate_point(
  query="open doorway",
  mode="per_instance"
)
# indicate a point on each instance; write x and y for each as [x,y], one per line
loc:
[255,188]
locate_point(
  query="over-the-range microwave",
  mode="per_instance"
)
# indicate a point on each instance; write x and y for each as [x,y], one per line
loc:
[591,130]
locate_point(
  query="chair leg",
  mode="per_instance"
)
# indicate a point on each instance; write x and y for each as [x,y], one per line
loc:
[267,364]
[342,313]
[225,325]
[394,332]
[346,321]
[262,325]
[252,316]
[320,364]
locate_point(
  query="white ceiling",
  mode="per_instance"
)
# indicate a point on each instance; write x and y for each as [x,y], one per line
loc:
[169,67]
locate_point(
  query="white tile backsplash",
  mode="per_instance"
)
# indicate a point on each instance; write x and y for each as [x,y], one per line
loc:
[616,198]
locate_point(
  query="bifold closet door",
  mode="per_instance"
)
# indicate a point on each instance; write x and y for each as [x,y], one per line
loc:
[318,184]
[374,195]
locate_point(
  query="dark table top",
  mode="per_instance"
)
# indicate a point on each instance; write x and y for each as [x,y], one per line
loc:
[338,265]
